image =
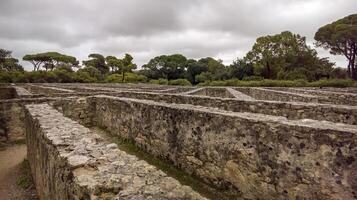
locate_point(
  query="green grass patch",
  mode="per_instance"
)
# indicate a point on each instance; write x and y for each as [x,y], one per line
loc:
[25,180]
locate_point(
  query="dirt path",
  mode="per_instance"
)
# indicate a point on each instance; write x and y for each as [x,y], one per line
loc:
[11,172]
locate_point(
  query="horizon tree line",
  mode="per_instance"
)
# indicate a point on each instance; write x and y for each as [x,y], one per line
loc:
[282,56]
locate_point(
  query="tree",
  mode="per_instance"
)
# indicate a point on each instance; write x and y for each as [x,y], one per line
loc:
[215,70]
[195,68]
[274,56]
[240,69]
[121,65]
[166,66]
[114,63]
[128,65]
[50,60]
[97,61]
[8,63]
[340,37]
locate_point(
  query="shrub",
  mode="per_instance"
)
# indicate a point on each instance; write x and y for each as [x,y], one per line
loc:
[129,78]
[135,78]
[182,82]
[114,78]
[334,83]
[252,78]
[160,81]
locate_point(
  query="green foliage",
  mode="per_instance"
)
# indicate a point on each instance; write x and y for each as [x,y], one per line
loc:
[166,66]
[90,71]
[240,69]
[130,78]
[181,82]
[97,61]
[50,60]
[8,63]
[160,81]
[340,37]
[25,180]
[252,78]
[286,53]
[333,83]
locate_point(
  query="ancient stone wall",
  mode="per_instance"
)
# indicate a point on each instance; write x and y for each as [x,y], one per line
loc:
[274,95]
[213,92]
[252,155]
[7,93]
[38,89]
[333,97]
[68,161]
[260,143]
[291,110]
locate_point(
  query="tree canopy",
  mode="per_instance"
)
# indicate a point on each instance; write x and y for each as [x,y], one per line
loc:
[277,56]
[166,66]
[97,61]
[340,37]
[8,63]
[122,66]
[50,60]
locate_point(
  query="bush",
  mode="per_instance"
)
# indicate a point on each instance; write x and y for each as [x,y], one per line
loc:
[84,77]
[160,81]
[129,78]
[114,78]
[182,82]
[334,83]
[135,78]
[252,78]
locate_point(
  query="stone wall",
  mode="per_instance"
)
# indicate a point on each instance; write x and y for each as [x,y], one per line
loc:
[7,92]
[68,161]
[274,95]
[253,155]
[291,110]
[213,92]
[11,120]
[39,89]
[333,97]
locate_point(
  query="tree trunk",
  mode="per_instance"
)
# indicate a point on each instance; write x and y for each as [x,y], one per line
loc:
[268,70]
[123,78]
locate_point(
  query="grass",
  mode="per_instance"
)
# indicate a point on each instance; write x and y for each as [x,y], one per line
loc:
[25,180]
[194,182]
[5,144]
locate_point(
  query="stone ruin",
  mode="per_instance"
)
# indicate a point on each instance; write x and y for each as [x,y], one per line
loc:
[186,142]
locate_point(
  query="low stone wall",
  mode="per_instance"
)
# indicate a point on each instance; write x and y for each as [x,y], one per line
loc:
[11,120]
[274,95]
[240,95]
[252,155]
[38,89]
[291,110]
[326,96]
[68,161]
[23,93]
[213,92]
[7,92]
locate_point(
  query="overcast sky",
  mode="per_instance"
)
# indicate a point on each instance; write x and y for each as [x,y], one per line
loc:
[224,29]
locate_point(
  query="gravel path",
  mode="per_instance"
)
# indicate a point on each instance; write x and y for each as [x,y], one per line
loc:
[10,172]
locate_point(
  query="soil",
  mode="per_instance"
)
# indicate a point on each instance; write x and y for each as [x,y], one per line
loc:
[13,183]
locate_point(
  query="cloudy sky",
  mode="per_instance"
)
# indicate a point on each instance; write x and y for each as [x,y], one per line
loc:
[224,29]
